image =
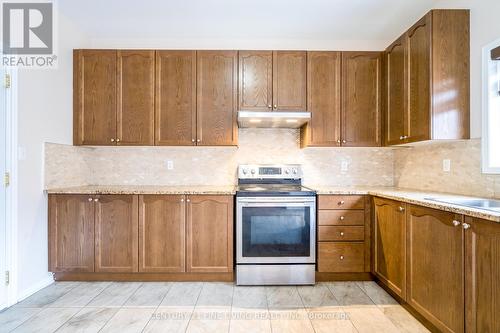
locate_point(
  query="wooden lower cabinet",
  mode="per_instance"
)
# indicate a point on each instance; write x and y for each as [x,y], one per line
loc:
[341,257]
[116,233]
[71,233]
[389,244]
[435,267]
[482,276]
[162,233]
[209,233]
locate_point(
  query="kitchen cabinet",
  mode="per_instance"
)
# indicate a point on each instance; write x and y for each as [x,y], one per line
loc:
[482,275]
[217,89]
[209,233]
[255,80]
[436,80]
[361,99]
[94,100]
[323,100]
[135,113]
[435,267]
[175,98]
[389,244]
[289,80]
[116,233]
[162,233]
[71,233]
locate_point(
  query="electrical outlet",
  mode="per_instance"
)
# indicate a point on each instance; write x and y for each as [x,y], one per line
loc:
[446,165]
[170,165]
[344,166]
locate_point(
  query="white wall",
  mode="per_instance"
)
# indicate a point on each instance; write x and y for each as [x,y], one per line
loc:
[44,114]
[485,28]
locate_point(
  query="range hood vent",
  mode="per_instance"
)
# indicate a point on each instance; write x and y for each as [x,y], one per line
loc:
[272,119]
[495,53]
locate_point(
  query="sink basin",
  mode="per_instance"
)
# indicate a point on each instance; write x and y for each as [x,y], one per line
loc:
[488,204]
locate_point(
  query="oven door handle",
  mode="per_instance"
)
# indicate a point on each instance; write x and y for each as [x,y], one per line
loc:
[271,200]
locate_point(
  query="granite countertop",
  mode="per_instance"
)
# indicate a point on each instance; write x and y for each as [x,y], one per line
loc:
[413,197]
[145,189]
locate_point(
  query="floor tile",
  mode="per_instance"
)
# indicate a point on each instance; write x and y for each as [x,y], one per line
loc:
[13,317]
[378,295]
[349,293]
[283,297]
[216,294]
[81,295]
[128,320]
[249,297]
[170,319]
[115,295]
[290,321]
[250,320]
[317,296]
[331,320]
[402,319]
[370,319]
[182,294]
[208,319]
[47,295]
[149,295]
[88,320]
[47,320]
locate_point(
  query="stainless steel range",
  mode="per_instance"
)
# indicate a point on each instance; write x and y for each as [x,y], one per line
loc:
[275,226]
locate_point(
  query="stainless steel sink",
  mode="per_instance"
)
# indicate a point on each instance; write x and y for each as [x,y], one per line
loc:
[487,204]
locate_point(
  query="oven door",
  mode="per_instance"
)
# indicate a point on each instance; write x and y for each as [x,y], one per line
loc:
[275,230]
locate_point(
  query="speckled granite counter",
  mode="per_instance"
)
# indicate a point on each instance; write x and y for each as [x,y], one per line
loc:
[412,197]
[144,189]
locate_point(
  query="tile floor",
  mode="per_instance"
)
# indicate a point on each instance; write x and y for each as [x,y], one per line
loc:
[208,307]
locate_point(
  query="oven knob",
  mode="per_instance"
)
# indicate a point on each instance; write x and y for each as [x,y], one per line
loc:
[245,171]
[253,171]
[287,171]
[295,171]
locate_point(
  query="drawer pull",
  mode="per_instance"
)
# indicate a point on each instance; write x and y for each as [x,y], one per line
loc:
[96,199]
[342,218]
[341,202]
[90,199]
[341,233]
[341,257]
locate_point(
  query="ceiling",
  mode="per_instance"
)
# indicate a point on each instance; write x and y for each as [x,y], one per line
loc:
[250,19]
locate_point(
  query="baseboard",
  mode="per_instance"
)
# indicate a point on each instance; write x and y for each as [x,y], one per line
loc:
[223,277]
[35,288]
[326,276]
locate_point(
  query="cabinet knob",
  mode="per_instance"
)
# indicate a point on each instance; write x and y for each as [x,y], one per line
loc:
[456,223]
[270,106]
[338,141]
[401,137]
[344,141]
[341,257]
[182,200]
[117,140]
[342,218]
[275,106]
[193,140]
[466,226]
[199,140]
[341,233]
[401,209]
[96,199]
[112,140]
[188,200]
[341,202]
[90,199]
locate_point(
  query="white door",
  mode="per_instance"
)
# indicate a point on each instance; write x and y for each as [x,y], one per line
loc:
[3,189]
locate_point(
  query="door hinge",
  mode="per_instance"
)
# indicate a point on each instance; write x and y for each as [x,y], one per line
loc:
[7,277]
[6,179]
[7,81]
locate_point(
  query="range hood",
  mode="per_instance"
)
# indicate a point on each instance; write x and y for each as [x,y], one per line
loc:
[273,119]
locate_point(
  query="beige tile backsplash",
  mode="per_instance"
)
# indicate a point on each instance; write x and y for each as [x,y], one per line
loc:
[417,167]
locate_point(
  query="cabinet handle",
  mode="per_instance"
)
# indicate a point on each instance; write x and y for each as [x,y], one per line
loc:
[117,140]
[342,218]
[401,209]
[341,233]
[456,223]
[90,199]
[182,200]
[188,200]
[275,106]
[341,202]
[112,140]
[401,137]
[96,199]
[270,106]
[341,257]
[199,140]
[193,140]
[466,226]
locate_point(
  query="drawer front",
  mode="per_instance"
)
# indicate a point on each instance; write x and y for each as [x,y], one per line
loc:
[341,217]
[341,202]
[330,233]
[341,257]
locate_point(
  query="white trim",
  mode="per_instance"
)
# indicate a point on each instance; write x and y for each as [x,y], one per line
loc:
[486,58]
[37,287]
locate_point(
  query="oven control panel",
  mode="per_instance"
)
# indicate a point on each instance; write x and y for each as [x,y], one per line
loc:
[275,171]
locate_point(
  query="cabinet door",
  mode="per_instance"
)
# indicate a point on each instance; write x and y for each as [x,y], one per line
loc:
[389,238]
[396,92]
[135,115]
[116,233]
[255,80]
[162,233]
[209,233]
[482,276]
[323,99]
[435,267]
[217,88]
[289,80]
[419,67]
[175,98]
[94,89]
[361,116]
[71,233]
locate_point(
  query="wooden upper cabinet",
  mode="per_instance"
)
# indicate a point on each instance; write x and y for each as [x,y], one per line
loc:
[209,233]
[94,100]
[395,66]
[323,99]
[71,233]
[175,98]
[256,80]
[389,238]
[116,233]
[289,80]
[217,89]
[435,267]
[136,81]
[162,233]
[361,99]
[482,276]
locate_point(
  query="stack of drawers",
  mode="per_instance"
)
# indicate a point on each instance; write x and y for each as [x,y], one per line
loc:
[343,238]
